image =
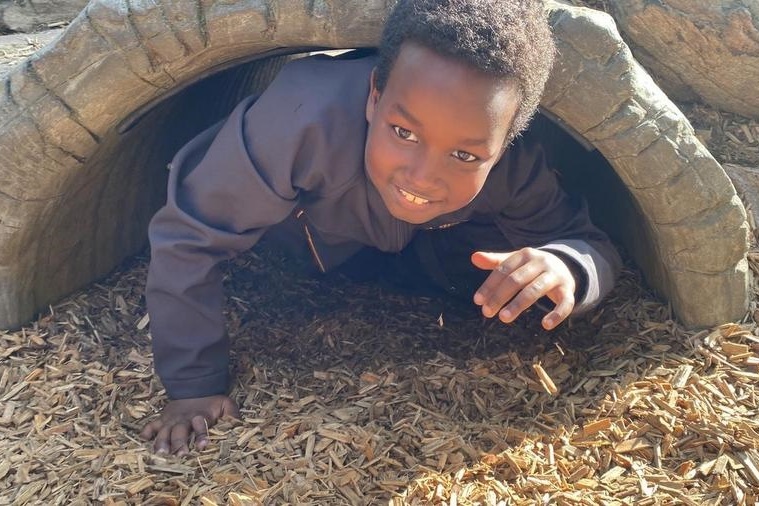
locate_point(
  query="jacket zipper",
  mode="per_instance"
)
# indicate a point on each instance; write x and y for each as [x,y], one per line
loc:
[302,214]
[445,225]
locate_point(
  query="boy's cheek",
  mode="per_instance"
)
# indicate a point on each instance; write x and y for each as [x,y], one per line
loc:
[382,156]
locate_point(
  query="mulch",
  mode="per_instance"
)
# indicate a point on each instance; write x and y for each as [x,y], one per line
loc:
[361,393]
[15,47]
[357,393]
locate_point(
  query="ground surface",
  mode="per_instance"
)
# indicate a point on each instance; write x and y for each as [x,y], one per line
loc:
[358,394]
[14,48]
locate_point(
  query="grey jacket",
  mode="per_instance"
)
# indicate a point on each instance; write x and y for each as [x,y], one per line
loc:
[298,150]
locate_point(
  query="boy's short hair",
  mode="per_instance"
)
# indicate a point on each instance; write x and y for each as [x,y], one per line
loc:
[503,38]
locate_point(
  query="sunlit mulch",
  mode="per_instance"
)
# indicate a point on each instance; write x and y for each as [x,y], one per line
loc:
[358,394]
[14,48]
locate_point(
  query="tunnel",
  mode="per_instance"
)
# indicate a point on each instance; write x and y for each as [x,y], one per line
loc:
[89,123]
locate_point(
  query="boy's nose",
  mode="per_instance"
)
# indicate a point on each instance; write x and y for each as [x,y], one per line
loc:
[421,173]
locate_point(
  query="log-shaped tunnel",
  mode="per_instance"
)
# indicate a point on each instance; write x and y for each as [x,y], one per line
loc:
[83,144]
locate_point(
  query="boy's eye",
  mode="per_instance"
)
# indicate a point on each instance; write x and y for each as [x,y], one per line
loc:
[464,156]
[404,133]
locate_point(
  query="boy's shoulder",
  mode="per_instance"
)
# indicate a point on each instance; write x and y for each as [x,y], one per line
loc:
[309,125]
[324,80]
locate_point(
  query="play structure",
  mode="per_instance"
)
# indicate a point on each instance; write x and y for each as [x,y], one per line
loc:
[88,124]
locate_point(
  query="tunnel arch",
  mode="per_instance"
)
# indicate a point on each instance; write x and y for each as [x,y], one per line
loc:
[78,157]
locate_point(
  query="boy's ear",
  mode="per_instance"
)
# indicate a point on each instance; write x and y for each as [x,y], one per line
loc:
[374,94]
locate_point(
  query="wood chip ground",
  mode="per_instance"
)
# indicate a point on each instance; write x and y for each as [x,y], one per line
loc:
[355,394]
[358,394]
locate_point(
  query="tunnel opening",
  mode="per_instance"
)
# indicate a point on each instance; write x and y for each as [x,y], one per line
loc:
[165,126]
[128,175]
[614,209]
[586,173]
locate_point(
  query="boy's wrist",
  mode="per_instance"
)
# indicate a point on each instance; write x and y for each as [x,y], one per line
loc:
[205,386]
[577,272]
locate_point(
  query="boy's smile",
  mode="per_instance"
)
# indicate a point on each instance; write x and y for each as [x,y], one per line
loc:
[435,131]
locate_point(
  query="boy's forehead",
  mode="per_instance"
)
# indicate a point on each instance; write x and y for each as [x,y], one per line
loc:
[415,55]
[431,88]
[422,60]
[421,68]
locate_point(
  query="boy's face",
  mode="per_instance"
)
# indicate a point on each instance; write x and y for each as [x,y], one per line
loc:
[435,132]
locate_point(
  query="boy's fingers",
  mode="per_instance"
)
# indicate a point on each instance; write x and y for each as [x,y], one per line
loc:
[150,430]
[527,296]
[229,408]
[561,312]
[519,279]
[162,439]
[487,260]
[506,287]
[486,294]
[180,438]
[200,427]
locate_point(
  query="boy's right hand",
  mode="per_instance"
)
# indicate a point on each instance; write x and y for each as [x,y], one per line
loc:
[181,417]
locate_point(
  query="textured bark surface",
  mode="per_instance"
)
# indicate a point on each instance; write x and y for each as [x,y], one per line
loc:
[704,49]
[77,186]
[746,181]
[692,234]
[28,15]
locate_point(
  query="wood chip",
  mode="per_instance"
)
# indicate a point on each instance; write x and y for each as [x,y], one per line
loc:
[682,374]
[632,445]
[731,349]
[143,322]
[591,428]
[545,380]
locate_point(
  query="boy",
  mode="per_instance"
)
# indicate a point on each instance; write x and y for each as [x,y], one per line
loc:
[411,152]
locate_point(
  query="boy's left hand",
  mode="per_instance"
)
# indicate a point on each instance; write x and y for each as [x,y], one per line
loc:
[519,279]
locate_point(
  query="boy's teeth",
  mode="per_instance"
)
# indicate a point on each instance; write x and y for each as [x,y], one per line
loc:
[413,198]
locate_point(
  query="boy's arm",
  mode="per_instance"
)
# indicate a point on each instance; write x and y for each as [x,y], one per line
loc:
[534,211]
[305,133]
[226,188]
[218,204]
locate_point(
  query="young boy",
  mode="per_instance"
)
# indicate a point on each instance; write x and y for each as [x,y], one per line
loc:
[414,150]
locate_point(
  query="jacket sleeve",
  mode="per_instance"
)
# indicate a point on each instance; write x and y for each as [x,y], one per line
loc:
[218,204]
[226,187]
[533,210]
